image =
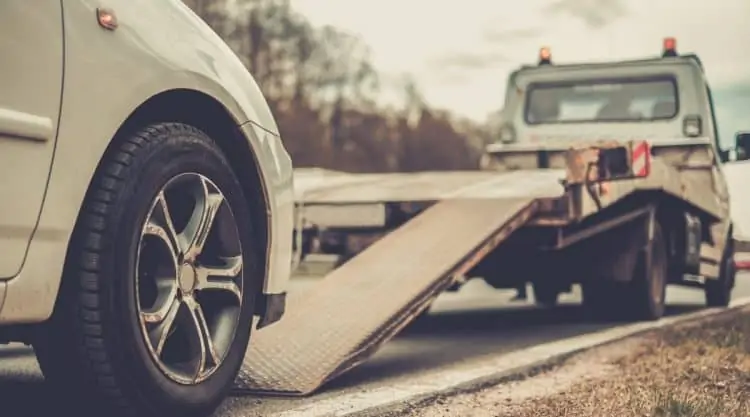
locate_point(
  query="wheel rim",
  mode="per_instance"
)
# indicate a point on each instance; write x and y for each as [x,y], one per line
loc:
[189,283]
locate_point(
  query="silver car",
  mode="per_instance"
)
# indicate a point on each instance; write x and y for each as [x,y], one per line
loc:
[147,203]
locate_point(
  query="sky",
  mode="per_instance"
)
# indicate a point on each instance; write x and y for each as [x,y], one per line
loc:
[460,52]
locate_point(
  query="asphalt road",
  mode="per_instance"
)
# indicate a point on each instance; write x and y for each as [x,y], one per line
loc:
[477,321]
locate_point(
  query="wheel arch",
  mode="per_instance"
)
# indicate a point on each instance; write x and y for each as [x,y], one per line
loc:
[209,115]
[204,112]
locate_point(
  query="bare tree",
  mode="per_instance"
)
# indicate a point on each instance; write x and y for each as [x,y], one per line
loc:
[322,87]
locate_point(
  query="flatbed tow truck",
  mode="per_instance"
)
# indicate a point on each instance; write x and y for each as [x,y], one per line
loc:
[606,175]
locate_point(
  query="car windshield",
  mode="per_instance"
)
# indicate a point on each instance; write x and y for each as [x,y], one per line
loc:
[587,101]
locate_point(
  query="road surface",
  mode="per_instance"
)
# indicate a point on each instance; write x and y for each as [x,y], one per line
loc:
[467,325]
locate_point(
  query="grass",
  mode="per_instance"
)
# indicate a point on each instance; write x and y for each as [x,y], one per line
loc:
[697,371]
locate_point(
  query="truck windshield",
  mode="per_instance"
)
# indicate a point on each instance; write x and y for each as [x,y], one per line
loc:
[592,101]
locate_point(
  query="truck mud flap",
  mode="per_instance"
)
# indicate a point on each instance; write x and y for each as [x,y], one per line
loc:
[358,307]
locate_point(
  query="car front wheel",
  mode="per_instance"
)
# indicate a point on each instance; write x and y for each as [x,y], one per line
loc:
[156,304]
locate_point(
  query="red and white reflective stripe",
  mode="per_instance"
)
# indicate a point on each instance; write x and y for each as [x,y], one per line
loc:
[742,261]
[641,159]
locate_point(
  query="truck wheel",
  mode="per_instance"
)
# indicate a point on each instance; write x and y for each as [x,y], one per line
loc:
[545,295]
[719,291]
[156,304]
[649,284]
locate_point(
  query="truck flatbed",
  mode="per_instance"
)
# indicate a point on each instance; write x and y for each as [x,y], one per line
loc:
[343,188]
[365,302]
[679,168]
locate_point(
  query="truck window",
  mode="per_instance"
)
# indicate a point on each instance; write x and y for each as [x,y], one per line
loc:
[595,101]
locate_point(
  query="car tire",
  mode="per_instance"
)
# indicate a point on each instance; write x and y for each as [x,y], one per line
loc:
[104,349]
[719,291]
[647,290]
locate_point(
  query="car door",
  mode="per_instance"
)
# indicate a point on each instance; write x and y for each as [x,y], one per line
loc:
[31,78]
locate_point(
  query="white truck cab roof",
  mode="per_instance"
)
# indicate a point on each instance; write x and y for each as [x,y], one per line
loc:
[663,97]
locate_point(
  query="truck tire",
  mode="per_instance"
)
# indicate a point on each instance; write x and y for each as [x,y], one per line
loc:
[545,294]
[157,299]
[719,291]
[647,289]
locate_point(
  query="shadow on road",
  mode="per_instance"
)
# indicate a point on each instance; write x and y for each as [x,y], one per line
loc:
[27,399]
[453,337]
[528,317]
[23,392]
[434,341]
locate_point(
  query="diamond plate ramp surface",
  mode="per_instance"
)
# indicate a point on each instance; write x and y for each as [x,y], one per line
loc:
[356,308]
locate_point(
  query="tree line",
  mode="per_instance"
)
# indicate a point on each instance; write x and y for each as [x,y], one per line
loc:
[322,88]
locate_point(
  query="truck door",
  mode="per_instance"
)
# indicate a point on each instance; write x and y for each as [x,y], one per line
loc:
[31,77]
[721,184]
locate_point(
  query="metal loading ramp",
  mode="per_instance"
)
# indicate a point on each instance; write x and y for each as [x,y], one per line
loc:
[356,308]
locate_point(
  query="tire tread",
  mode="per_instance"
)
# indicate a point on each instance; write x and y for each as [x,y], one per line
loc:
[89,240]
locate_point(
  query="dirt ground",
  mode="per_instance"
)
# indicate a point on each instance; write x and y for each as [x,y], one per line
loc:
[698,370]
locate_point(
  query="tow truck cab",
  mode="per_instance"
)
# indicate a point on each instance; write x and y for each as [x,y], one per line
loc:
[666,97]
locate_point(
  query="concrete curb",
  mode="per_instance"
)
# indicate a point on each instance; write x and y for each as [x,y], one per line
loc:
[397,398]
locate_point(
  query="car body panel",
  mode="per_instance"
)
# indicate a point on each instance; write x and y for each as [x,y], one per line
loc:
[157,47]
[31,49]
[279,179]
